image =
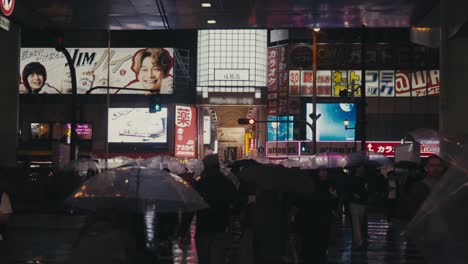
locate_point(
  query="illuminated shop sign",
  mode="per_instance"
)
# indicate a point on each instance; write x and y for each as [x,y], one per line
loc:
[282,149]
[185,132]
[385,83]
[45,70]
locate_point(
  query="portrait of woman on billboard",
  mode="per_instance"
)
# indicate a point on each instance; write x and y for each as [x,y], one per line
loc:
[153,68]
[34,77]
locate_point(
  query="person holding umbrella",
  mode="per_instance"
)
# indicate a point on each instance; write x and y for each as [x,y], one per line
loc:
[212,224]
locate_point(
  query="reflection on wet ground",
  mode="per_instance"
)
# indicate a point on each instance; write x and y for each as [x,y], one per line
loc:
[48,238]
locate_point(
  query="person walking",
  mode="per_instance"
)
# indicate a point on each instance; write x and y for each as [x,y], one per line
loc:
[392,194]
[358,205]
[212,224]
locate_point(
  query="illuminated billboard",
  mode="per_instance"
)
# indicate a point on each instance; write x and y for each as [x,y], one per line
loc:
[279,128]
[45,70]
[330,125]
[137,125]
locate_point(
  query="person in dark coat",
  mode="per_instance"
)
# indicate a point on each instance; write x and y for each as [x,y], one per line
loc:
[434,168]
[392,194]
[212,233]
[314,219]
[358,205]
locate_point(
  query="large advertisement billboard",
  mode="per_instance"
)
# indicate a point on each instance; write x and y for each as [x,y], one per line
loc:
[137,125]
[45,70]
[185,132]
[280,128]
[330,125]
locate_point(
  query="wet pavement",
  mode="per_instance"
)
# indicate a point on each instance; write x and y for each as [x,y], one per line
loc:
[48,238]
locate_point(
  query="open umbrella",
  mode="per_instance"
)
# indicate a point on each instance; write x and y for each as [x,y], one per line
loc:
[82,167]
[136,186]
[324,160]
[277,177]
[368,158]
[439,227]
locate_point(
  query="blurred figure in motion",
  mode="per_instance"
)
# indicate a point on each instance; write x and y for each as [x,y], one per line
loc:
[5,210]
[392,194]
[212,224]
[358,205]
[434,168]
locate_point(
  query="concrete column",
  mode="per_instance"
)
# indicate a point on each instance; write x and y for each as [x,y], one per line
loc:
[453,79]
[9,100]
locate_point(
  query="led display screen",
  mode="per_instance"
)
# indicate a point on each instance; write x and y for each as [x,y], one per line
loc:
[137,125]
[330,126]
[279,129]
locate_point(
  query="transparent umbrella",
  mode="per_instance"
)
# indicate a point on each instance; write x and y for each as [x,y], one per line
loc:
[82,167]
[368,158]
[439,227]
[324,160]
[134,187]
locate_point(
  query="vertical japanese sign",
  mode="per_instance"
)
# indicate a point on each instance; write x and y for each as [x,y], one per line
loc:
[354,82]
[387,83]
[247,140]
[403,83]
[283,80]
[372,83]
[324,83]
[307,83]
[294,83]
[272,85]
[185,132]
[340,82]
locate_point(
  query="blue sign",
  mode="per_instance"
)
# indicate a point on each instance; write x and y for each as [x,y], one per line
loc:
[279,129]
[330,125]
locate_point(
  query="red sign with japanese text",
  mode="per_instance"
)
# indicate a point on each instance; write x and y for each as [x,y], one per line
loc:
[294,83]
[387,148]
[307,83]
[185,132]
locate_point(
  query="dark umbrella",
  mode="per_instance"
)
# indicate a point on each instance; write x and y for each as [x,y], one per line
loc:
[278,178]
[135,187]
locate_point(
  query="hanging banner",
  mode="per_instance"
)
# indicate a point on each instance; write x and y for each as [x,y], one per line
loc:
[45,70]
[282,149]
[323,83]
[185,132]
[294,82]
[387,83]
[307,83]
[340,82]
[387,148]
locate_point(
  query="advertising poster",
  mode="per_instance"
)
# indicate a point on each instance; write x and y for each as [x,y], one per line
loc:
[283,92]
[372,83]
[185,145]
[45,70]
[340,82]
[307,83]
[281,149]
[294,83]
[137,125]
[354,82]
[324,83]
[330,125]
[403,83]
[387,83]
